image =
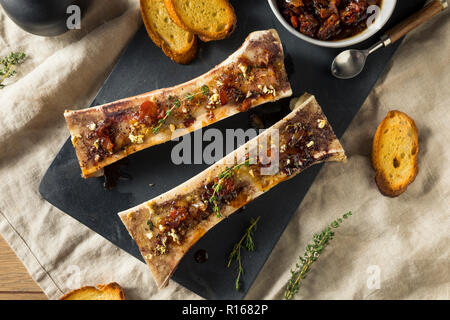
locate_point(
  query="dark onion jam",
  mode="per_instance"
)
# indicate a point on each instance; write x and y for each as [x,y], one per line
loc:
[327,19]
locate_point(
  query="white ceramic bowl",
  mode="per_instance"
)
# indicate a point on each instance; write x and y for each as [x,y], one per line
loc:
[387,8]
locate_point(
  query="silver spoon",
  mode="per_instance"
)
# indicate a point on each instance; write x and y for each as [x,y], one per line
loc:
[348,64]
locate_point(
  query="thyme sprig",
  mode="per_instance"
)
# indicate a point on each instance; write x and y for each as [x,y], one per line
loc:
[7,65]
[176,103]
[217,187]
[248,243]
[312,253]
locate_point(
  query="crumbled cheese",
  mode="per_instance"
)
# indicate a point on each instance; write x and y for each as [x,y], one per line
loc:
[272,90]
[92,126]
[172,127]
[214,98]
[97,144]
[251,173]
[174,236]
[136,138]
[321,123]
[97,157]
[151,210]
[310,144]
[149,235]
[148,256]
[161,228]
[75,139]
[288,161]
[161,249]
[249,93]
[243,69]
[134,124]
[184,110]
[283,148]
[268,90]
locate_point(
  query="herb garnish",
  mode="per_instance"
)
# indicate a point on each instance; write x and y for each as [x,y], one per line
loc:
[205,90]
[217,187]
[176,103]
[312,253]
[247,241]
[7,65]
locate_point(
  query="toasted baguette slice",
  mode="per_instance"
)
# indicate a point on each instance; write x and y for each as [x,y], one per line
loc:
[111,291]
[177,43]
[394,153]
[212,20]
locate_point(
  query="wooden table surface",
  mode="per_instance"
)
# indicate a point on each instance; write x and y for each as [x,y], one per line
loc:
[15,282]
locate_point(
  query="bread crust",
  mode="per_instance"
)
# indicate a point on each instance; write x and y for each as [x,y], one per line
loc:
[204,36]
[179,57]
[381,178]
[113,288]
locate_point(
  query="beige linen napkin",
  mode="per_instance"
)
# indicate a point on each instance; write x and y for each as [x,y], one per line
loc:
[403,242]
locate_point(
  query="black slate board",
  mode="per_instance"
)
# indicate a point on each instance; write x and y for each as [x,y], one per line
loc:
[142,68]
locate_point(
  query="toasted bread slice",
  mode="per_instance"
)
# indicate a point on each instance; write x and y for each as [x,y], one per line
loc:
[177,43]
[111,291]
[394,153]
[212,20]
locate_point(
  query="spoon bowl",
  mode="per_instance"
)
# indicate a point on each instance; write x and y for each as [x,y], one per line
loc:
[349,63]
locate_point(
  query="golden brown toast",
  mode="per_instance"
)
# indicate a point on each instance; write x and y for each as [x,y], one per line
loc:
[394,153]
[211,20]
[177,43]
[111,291]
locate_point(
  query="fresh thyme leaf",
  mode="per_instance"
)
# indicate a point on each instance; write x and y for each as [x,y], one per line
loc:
[205,90]
[247,242]
[176,103]
[190,97]
[227,173]
[7,65]
[312,253]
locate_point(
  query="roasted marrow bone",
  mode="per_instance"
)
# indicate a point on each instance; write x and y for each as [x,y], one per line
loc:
[253,75]
[165,227]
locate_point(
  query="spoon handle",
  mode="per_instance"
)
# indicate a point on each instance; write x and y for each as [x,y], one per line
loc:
[416,19]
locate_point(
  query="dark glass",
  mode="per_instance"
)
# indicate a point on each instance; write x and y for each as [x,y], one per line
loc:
[41,17]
